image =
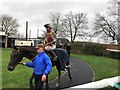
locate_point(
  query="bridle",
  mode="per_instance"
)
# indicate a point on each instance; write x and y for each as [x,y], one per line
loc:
[20,55]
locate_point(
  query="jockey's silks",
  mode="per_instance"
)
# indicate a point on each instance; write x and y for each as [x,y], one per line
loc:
[50,33]
[49,37]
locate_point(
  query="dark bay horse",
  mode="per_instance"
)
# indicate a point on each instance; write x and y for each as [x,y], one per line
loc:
[18,53]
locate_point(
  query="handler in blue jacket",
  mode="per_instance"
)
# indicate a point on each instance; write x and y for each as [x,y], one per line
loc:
[42,66]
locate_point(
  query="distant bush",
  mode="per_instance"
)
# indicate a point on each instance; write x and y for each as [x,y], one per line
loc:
[77,47]
[115,55]
[93,49]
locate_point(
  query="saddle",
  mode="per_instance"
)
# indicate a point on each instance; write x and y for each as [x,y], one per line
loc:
[50,54]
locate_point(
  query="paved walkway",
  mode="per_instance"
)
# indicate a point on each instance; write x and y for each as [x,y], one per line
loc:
[81,73]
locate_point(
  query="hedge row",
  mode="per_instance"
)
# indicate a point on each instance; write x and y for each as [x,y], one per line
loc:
[93,49]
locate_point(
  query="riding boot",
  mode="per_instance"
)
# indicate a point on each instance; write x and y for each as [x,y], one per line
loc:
[54,55]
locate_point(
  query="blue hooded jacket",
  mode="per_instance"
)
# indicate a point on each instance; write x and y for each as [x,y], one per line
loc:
[41,64]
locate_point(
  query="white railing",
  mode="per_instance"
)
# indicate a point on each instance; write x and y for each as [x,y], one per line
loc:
[113,50]
[100,84]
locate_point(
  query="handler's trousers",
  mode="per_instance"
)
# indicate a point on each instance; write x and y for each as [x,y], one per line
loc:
[38,82]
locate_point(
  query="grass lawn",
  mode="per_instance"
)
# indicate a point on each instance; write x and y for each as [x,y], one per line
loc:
[103,67]
[20,76]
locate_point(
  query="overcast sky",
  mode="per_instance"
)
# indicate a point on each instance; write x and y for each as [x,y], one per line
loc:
[37,12]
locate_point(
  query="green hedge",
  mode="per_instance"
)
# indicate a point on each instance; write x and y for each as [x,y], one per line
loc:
[89,48]
[93,49]
[115,55]
[77,47]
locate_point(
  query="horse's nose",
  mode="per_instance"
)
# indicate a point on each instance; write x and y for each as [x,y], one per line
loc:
[10,68]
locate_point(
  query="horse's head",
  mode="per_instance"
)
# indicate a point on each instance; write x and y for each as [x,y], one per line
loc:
[15,58]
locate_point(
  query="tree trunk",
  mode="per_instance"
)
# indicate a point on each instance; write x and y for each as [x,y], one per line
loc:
[72,41]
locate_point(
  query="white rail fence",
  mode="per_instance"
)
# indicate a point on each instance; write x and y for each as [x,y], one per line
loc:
[99,84]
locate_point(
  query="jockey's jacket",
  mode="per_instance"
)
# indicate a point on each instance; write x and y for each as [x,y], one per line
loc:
[50,37]
[41,64]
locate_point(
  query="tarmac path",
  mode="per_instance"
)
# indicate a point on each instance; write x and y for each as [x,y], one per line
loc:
[81,73]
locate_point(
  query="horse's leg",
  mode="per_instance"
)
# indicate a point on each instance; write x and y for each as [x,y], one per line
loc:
[30,81]
[69,73]
[68,69]
[47,85]
[59,78]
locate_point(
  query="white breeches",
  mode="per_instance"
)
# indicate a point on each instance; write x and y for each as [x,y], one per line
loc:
[48,47]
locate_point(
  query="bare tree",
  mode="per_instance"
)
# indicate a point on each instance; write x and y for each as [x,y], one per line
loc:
[8,24]
[55,21]
[114,12]
[101,24]
[113,8]
[118,23]
[109,23]
[74,24]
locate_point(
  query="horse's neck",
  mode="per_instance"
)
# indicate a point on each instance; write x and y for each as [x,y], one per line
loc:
[28,52]
[29,56]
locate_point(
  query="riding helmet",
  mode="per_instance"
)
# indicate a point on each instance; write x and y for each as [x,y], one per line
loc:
[47,25]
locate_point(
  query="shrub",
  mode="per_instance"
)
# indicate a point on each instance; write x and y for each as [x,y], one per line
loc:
[94,49]
[89,48]
[78,46]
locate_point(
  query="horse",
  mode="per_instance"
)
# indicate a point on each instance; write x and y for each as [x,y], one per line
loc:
[30,52]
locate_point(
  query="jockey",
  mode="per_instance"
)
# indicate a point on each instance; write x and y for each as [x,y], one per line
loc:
[50,41]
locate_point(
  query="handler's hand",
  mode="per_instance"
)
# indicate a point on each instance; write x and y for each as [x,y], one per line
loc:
[43,78]
[22,63]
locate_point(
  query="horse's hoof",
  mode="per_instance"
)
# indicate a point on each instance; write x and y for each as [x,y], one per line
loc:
[70,78]
[67,67]
[57,85]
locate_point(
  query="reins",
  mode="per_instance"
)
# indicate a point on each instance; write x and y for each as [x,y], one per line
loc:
[21,54]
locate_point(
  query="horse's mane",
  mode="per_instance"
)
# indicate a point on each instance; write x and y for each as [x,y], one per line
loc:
[28,51]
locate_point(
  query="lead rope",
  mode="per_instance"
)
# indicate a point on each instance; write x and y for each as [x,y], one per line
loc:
[34,58]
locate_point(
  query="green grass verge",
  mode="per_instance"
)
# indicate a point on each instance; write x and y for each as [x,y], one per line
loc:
[0,68]
[103,67]
[20,76]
